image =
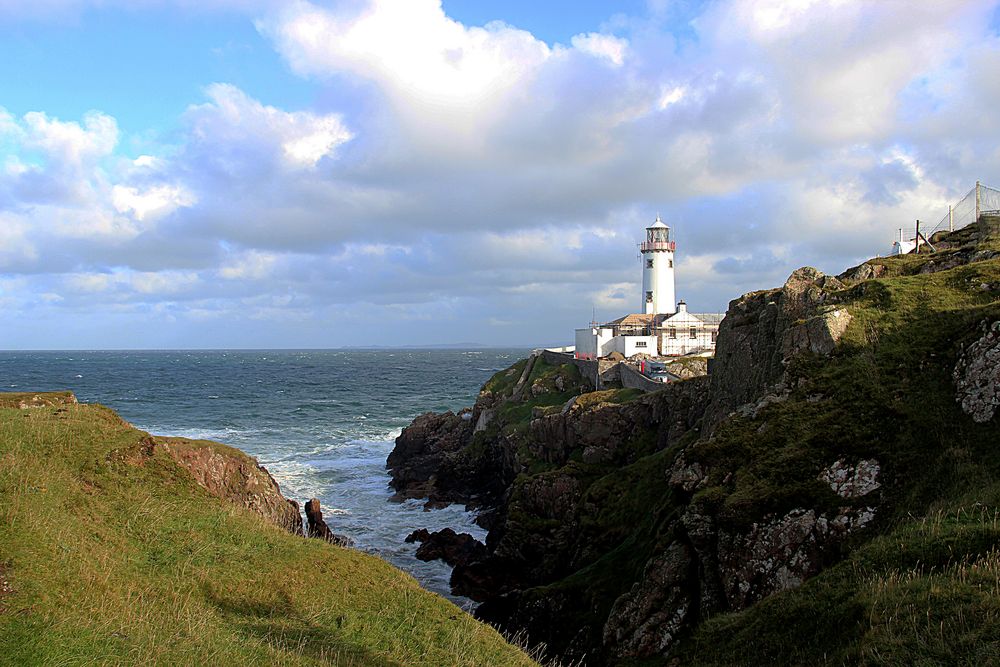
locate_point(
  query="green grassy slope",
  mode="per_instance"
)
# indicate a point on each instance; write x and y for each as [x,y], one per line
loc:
[110,557]
[919,585]
[927,589]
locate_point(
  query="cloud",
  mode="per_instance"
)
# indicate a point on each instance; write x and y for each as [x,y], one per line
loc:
[70,142]
[232,131]
[414,51]
[154,202]
[67,11]
[250,265]
[452,175]
[608,47]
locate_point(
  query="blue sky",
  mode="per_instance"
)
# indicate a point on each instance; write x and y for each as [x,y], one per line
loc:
[230,173]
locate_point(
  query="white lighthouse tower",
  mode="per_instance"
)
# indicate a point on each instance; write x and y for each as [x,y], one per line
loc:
[657,253]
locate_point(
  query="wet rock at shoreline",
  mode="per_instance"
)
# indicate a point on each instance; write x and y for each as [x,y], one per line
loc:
[453,548]
[317,526]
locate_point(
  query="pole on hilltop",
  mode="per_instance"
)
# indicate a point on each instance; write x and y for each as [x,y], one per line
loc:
[978,201]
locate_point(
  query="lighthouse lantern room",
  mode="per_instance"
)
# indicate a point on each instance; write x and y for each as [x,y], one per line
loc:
[657,253]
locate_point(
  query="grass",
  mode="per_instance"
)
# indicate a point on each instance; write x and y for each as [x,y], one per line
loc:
[115,560]
[919,586]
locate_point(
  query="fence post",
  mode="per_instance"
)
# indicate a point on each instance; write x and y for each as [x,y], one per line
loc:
[916,239]
[951,219]
[978,201]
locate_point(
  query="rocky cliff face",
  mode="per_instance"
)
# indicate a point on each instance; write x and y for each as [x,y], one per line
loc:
[763,330]
[621,524]
[230,474]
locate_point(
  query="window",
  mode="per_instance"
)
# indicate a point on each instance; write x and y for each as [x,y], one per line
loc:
[673,332]
[649,263]
[715,336]
[670,263]
[694,332]
[649,295]
[640,343]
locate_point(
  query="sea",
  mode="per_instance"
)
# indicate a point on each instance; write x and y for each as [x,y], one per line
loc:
[321,421]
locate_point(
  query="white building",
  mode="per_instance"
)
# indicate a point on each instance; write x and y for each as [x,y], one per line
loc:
[657,253]
[688,333]
[664,328]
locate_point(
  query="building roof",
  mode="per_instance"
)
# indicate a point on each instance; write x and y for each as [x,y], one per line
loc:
[637,319]
[684,316]
[657,223]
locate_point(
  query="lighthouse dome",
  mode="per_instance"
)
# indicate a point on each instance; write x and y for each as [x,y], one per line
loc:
[658,224]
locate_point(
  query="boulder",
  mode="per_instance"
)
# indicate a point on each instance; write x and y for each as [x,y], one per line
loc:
[862,272]
[447,545]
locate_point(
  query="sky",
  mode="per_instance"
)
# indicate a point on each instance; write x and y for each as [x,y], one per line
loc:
[307,174]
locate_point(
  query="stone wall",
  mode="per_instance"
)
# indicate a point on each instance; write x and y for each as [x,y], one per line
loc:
[612,372]
[589,368]
[633,379]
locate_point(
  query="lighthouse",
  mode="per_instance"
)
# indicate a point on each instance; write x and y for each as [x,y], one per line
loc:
[657,253]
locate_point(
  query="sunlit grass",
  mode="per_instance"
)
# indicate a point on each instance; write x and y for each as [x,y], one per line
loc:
[118,559]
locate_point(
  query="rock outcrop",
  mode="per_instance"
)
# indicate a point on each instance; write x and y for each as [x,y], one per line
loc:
[852,480]
[647,620]
[453,548]
[763,330]
[316,526]
[977,375]
[417,458]
[22,400]
[230,474]
[618,524]
[781,553]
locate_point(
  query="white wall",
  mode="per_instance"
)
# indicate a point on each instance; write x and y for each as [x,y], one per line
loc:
[592,343]
[630,345]
[660,280]
[683,343]
[639,345]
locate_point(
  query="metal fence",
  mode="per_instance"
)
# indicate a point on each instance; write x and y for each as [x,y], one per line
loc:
[980,200]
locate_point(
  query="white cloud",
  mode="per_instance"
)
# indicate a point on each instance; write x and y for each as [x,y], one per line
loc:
[69,141]
[163,282]
[326,134]
[411,47]
[671,95]
[15,245]
[453,173]
[127,283]
[608,47]
[247,130]
[152,203]
[252,265]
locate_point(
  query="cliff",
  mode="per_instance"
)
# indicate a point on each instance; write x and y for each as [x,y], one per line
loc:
[117,547]
[827,496]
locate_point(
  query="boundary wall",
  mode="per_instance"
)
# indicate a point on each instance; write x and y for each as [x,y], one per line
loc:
[633,379]
[610,371]
[589,368]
